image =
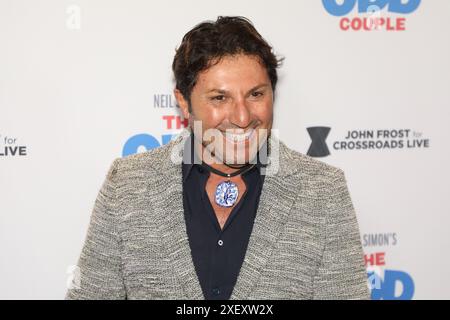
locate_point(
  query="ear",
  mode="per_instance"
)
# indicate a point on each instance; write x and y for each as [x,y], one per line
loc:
[182,102]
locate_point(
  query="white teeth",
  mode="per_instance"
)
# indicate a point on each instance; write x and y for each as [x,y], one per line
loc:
[239,137]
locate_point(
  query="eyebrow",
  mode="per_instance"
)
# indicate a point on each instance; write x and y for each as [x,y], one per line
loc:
[221,91]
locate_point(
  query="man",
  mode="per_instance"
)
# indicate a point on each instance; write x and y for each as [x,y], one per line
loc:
[225,210]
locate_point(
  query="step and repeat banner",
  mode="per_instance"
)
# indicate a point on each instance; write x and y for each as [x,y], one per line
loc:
[365,86]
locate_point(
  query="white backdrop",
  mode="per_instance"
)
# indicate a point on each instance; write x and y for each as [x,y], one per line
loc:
[82,82]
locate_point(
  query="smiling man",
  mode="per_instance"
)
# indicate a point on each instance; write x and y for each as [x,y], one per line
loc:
[225,210]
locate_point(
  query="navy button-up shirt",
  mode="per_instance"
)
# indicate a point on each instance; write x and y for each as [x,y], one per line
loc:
[218,253]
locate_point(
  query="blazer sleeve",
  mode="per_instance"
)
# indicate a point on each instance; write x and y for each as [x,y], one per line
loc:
[341,274]
[99,272]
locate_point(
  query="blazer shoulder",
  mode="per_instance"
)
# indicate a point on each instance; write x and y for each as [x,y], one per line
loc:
[313,172]
[147,161]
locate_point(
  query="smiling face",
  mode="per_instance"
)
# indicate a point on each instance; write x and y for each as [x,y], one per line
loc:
[233,99]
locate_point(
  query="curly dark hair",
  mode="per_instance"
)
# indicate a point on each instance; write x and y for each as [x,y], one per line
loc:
[209,41]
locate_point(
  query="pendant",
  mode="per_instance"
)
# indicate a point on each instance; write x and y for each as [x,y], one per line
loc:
[226,194]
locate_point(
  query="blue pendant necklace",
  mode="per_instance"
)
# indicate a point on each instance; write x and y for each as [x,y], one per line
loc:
[227,192]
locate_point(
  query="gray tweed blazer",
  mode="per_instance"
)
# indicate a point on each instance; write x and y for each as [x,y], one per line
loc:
[305,242]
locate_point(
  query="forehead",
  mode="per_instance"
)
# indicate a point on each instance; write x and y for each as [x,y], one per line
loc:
[230,70]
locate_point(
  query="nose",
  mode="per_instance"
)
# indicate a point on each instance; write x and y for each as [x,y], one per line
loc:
[240,114]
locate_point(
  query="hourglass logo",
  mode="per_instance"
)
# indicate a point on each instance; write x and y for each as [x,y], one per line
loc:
[318,147]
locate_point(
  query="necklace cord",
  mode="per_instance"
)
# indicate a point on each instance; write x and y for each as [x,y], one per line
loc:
[228,175]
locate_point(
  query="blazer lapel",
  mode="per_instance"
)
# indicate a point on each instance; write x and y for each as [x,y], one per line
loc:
[176,240]
[277,197]
[173,225]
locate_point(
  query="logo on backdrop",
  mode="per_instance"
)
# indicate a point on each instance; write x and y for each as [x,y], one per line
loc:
[385,283]
[371,15]
[143,141]
[318,146]
[10,147]
[365,139]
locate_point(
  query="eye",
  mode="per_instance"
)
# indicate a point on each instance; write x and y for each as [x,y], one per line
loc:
[257,94]
[218,98]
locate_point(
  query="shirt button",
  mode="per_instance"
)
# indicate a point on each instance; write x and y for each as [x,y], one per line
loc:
[216,291]
[220,243]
